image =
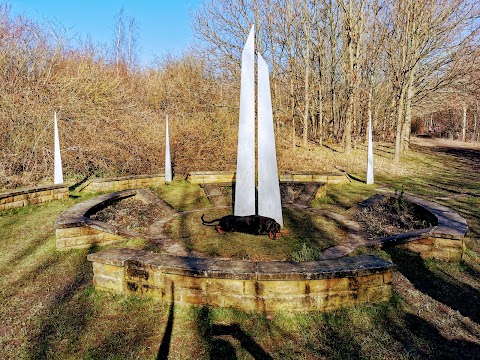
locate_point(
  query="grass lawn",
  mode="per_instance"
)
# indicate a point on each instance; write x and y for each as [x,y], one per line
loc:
[51,311]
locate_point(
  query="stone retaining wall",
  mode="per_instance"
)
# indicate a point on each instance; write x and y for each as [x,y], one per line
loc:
[74,228]
[249,286]
[211,177]
[36,195]
[215,177]
[122,183]
[444,240]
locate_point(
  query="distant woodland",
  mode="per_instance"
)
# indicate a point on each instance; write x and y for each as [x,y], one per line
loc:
[411,66]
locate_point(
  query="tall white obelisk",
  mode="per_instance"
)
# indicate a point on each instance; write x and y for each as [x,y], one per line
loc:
[168,162]
[245,175]
[370,155]
[269,202]
[57,159]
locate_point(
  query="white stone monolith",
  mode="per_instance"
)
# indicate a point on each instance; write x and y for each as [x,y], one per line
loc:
[245,175]
[370,155]
[168,162]
[269,202]
[57,159]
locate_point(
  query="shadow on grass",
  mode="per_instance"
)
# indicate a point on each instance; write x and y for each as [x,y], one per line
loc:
[221,348]
[65,318]
[164,349]
[422,340]
[438,285]
[393,334]
[30,249]
[302,225]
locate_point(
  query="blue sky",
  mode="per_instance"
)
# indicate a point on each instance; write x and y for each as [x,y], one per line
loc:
[164,25]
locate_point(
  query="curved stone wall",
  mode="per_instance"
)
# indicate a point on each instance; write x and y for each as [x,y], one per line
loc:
[444,240]
[75,229]
[250,286]
[122,183]
[216,177]
[29,196]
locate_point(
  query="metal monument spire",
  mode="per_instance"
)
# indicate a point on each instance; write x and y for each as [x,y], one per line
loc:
[269,202]
[245,176]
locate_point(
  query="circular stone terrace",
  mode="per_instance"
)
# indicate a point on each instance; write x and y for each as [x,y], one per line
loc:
[335,281]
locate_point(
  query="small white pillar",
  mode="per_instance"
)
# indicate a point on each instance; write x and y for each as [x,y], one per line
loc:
[168,162]
[370,155]
[57,159]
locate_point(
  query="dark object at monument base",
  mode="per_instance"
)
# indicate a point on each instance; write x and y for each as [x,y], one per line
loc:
[250,224]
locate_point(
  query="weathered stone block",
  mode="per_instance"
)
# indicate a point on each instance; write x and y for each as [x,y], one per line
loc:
[75,231]
[337,179]
[20,197]
[6,200]
[328,285]
[138,272]
[424,241]
[321,178]
[140,288]
[186,282]
[103,282]
[190,296]
[269,288]
[108,270]
[245,303]
[112,237]
[302,177]
[367,280]
[448,244]
[15,204]
[336,300]
[290,303]
[388,277]
[59,196]
[238,287]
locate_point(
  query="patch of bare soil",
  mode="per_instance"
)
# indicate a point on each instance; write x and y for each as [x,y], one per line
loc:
[392,216]
[130,214]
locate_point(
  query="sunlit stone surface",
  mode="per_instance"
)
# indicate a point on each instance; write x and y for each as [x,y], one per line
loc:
[168,163]
[370,155]
[245,176]
[58,172]
[269,203]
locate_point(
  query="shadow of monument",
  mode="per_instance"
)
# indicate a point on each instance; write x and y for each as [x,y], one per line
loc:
[221,348]
[422,340]
[302,224]
[65,313]
[438,285]
[164,349]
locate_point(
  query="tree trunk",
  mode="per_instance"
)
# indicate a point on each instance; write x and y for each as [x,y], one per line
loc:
[292,107]
[464,122]
[320,116]
[475,116]
[369,108]
[307,94]
[407,125]
[398,133]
